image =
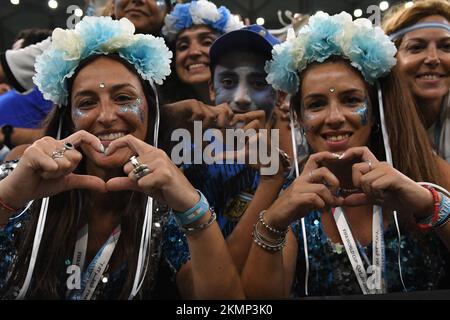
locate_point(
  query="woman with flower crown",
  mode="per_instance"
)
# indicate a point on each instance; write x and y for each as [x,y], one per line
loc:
[354,221]
[96,190]
[421,33]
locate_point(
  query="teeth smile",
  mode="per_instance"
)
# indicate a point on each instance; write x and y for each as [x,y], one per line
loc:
[429,77]
[111,136]
[338,138]
[197,65]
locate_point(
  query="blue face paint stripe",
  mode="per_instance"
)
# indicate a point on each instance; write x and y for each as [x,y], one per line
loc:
[363,112]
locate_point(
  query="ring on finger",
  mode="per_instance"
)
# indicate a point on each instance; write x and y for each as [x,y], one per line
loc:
[141,173]
[370,164]
[134,161]
[140,168]
[68,146]
[58,154]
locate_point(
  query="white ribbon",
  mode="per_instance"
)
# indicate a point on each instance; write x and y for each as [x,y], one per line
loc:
[98,265]
[376,282]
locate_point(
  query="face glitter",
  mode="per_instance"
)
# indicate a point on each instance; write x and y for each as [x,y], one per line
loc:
[134,107]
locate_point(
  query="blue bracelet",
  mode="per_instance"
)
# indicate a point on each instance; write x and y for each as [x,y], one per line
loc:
[193,214]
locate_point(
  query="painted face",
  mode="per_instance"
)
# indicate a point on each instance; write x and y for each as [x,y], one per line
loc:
[423,59]
[192,54]
[335,111]
[146,15]
[240,80]
[110,105]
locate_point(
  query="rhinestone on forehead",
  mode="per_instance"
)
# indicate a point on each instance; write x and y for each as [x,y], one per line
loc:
[332,89]
[102,85]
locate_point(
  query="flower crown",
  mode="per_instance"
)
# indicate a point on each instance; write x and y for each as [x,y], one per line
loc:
[368,48]
[201,12]
[98,35]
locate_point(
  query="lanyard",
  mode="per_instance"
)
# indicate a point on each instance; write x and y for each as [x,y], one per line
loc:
[98,265]
[376,282]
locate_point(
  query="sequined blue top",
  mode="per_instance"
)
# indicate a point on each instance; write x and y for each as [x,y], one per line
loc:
[112,282]
[331,273]
[228,188]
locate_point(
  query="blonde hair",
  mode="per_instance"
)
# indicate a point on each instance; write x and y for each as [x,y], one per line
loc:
[399,17]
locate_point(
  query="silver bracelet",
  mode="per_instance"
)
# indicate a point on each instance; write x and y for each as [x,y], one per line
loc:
[195,229]
[7,167]
[270,228]
[266,243]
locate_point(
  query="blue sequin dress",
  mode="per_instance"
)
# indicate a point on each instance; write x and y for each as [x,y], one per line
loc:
[107,290]
[331,273]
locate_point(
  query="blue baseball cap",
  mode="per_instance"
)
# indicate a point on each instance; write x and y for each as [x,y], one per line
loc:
[252,38]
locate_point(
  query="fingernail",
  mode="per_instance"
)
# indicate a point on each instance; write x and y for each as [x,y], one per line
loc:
[105,151]
[337,155]
[102,148]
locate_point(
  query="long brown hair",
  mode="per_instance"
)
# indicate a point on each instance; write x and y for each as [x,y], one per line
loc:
[59,236]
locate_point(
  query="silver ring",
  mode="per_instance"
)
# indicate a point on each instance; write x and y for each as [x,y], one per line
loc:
[140,168]
[134,161]
[68,146]
[370,164]
[141,173]
[58,154]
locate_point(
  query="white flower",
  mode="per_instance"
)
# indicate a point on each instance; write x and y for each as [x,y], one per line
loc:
[69,42]
[233,24]
[123,39]
[203,10]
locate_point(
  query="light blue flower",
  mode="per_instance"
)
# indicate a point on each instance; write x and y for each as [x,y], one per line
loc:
[150,56]
[52,70]
[221,23]
[183,16]
[322,33]
[373,58]
[201,12]
[281,70]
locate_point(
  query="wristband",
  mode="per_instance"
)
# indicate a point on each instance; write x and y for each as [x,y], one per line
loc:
[193,214]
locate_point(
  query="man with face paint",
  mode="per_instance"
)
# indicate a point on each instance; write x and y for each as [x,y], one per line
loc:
[237,62]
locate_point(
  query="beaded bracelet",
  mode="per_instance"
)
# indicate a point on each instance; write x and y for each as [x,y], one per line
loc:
[195,229]
[270,228]
[266,243]
[427,223]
